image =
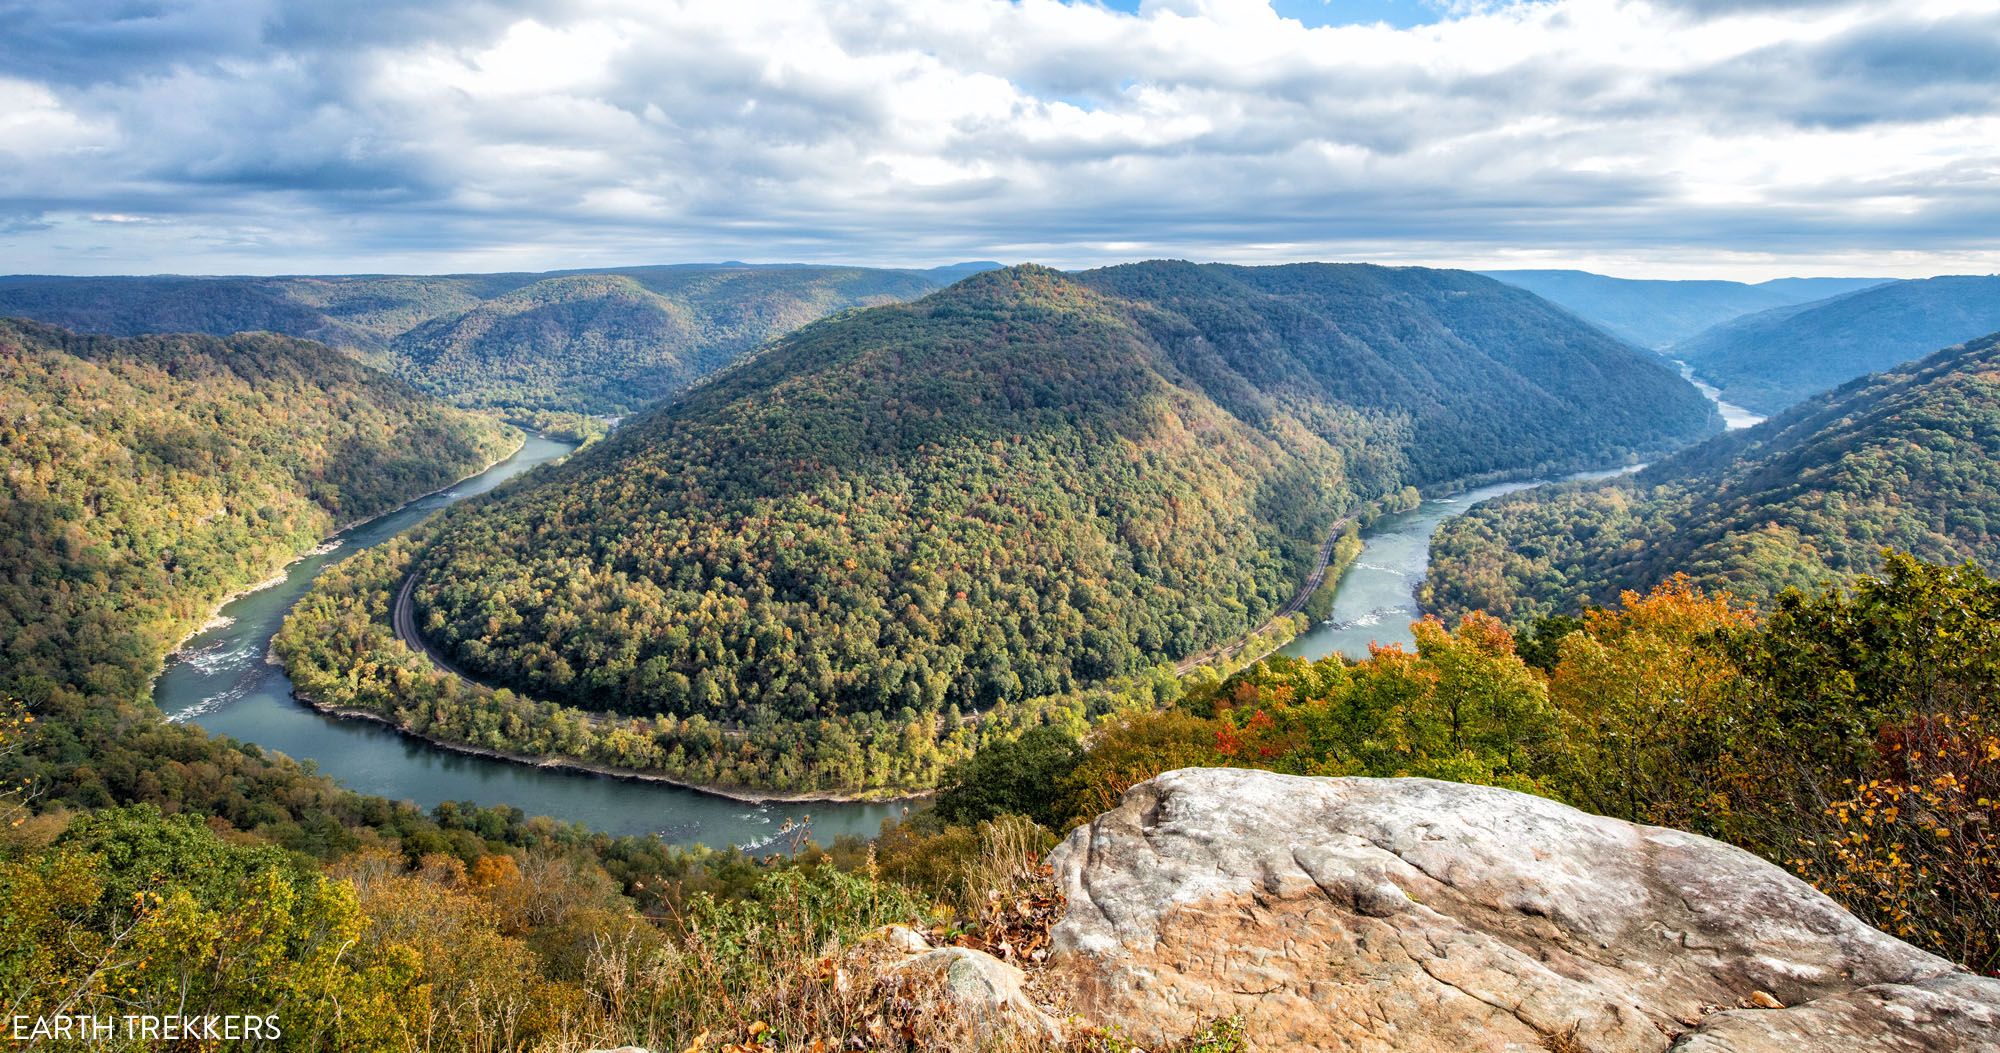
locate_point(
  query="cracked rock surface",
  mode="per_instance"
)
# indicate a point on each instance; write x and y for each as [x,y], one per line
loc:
[1415,915]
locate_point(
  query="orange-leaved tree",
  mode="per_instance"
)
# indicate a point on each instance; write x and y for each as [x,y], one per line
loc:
[1649,704]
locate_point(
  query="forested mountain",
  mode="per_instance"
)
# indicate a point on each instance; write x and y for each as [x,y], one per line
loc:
[1772,359]
[591,341]
[1483,377]
[614,342]
[1655,313]
[148,477]
[1908,459]
[1020,484]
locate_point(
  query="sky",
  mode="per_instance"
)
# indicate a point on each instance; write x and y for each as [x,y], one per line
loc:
[1740,139]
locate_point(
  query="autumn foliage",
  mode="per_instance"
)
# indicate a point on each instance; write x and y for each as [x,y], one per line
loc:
[1851,735]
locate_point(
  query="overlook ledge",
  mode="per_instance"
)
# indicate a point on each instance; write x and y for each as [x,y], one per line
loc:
[1415,916]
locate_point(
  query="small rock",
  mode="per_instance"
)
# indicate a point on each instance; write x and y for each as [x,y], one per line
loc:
[987,990]
[906,939]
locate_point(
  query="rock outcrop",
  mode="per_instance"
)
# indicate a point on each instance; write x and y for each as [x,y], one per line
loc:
[1418,916]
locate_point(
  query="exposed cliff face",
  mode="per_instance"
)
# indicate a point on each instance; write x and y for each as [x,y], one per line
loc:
[1414,915]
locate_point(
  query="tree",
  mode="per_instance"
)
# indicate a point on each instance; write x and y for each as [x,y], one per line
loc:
[1020,777]
[1651,708]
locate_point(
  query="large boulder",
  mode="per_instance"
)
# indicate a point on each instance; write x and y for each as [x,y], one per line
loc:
[1415,915]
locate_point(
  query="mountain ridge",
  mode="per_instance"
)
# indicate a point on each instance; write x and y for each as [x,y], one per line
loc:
[1657,313]
[1023,484]
[1773,359]
[1908,459]
[619,351]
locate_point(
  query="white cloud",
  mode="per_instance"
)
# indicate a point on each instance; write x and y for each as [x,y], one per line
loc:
[35,125]
[1763,138]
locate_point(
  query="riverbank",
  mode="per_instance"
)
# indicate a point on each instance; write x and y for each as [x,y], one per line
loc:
[224,685]
[1378,598]
[216,620]
[1327,575]
[496,462]
[344,655]
[1314,578]
[543,725]
[741,795]
[457,714]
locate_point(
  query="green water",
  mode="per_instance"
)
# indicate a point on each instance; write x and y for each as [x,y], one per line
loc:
[222,682]
[1377,598]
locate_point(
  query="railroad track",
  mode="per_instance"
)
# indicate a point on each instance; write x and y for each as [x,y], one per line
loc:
[1293,606]
[403,619]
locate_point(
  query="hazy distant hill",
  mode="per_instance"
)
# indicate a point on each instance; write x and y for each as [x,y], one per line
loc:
[1655,314]
[1770,360]
[597,341]
[1908,459]
[1023,483]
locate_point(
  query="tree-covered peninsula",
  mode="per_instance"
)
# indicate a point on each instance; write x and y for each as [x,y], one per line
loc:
[1021,487]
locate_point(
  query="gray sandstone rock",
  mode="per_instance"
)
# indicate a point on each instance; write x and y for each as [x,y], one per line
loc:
[1418,916]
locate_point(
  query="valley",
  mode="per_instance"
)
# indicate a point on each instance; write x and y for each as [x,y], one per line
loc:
[1013,548]
[1412,527]
[1657,314]
[850,543]
[1900,461]
[593,342]
[1376,599]
[1774,359]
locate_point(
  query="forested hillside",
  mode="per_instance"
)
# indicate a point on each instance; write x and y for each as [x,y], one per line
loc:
[1020,485]
[590,341]
[1908,459]
[148,477]
[1770,360]
[1476,377]
[360,312]
[610,343]
[1655,313]
[1846,736]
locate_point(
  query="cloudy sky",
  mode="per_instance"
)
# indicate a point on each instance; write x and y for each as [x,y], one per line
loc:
[1672,138]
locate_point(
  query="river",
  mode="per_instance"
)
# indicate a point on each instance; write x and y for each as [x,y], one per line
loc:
[1376,599]
[221,681]
[1733,416]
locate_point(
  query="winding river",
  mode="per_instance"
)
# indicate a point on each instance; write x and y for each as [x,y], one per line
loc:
[221,681]
[1376,599]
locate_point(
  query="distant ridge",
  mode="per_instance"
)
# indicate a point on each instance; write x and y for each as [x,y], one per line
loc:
[1655,313]
[596,340]
[1772,359]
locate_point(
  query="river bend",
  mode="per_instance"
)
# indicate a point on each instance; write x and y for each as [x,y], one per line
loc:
[221,681]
